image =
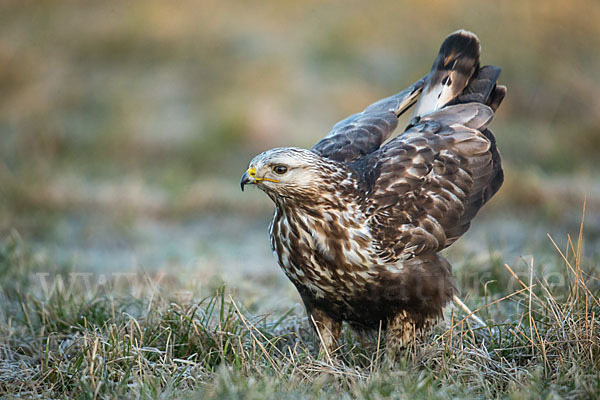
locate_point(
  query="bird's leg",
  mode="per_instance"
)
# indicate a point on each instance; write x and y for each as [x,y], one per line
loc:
[402,330]
[328,330]
[399,333]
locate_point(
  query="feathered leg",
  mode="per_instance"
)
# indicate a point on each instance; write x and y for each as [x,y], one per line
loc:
[404,329]
[328,330]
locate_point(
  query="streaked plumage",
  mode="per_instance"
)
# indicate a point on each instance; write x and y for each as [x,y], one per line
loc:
[359,222]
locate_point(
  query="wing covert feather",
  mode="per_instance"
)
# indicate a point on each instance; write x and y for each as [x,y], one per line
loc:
[431,181]
[364,132]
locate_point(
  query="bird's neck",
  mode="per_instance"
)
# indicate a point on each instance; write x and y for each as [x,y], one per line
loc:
[341,196]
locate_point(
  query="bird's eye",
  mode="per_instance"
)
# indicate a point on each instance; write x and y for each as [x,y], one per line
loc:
[280,169]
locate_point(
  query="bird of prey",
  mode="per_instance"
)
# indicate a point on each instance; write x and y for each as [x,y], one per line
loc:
[360,220]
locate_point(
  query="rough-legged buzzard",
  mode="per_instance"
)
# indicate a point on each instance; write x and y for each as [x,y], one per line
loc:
[359,222]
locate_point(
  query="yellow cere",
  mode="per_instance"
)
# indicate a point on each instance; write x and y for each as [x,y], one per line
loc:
[252,174]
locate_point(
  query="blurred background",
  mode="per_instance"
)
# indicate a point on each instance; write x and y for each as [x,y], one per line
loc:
[125,126]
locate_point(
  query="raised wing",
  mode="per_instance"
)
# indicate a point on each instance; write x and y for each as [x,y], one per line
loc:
[483,89]
[427,184]
[455,64]
[364,132]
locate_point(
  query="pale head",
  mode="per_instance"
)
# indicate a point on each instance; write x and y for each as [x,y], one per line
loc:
[285,171]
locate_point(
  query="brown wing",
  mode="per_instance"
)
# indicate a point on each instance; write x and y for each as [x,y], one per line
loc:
[426,185]
[364,132]
[455,64]
[483,89]
[455,73]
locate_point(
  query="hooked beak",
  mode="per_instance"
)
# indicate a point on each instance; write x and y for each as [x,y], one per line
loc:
[249,177]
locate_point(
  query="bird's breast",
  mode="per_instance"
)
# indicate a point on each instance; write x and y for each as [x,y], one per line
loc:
[327,255]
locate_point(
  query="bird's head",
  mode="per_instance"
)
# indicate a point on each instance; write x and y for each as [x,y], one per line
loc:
[286,172]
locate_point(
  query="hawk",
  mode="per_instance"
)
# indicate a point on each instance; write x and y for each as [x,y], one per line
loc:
[360,220]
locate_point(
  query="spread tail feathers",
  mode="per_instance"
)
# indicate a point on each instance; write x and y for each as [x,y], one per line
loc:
[456,62]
